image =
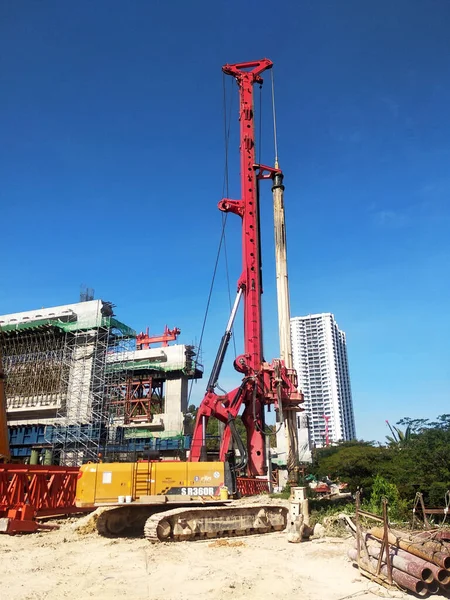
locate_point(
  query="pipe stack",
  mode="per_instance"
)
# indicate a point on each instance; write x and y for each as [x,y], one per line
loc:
[403,579]
[420,563]
[436,551]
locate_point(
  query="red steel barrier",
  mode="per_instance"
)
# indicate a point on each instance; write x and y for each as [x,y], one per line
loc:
[31,491]
[247,486]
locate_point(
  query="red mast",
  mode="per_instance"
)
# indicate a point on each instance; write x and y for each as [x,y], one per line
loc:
[248,209]
[262,383]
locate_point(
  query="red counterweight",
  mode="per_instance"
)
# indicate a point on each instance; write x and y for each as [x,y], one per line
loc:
[263,383]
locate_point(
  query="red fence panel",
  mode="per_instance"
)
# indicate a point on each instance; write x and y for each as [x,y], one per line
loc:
[251,487]
[49,490]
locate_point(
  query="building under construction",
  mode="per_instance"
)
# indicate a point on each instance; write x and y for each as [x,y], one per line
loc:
[80,383]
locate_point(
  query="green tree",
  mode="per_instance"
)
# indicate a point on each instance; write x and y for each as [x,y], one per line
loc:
[399,437]
[424,466]
[416,460]
[213,429]
[414,425]
[356,463]
[443,422]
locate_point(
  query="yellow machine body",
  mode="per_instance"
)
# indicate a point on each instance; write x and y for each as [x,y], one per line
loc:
[110,483]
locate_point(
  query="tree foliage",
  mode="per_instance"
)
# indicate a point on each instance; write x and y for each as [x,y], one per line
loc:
[355,463]
[213,428]
[417,459]
[399,437]
[382,488]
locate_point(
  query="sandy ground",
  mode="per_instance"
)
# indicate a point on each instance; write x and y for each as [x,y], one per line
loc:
[66,564]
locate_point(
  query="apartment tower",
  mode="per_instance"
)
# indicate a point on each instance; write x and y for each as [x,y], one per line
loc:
[319,353]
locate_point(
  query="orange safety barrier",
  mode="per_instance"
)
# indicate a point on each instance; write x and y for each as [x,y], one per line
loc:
[248,486]
[28,492]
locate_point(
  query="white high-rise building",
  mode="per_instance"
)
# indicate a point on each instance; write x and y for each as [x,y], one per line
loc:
[319,352]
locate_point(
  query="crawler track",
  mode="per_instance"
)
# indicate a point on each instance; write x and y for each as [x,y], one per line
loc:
[123,520]
[182,524]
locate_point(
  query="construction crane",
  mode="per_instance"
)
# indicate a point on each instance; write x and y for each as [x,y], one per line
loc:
[132,494]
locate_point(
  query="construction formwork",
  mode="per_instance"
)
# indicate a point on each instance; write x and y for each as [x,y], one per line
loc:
[36,369]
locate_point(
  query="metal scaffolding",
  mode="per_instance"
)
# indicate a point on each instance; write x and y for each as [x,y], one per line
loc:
[137,398]
[83,422]
[57,373]
[77,386]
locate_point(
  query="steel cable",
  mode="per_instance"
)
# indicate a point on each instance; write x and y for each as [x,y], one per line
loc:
[275,140]
[222,241]
[225,188]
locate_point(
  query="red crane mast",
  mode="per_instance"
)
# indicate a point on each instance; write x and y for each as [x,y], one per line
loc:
[263,383]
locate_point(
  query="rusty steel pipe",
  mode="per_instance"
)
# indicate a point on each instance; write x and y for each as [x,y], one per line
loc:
[433,587]
[439,574]
[440,558]
[403,564]
[432,546]
[405,580]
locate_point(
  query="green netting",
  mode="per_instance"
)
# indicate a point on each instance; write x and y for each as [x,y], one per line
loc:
[41,324]
[143,432]
[123,329]
[137,365]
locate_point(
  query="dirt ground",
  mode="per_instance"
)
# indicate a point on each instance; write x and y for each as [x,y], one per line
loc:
[67,564]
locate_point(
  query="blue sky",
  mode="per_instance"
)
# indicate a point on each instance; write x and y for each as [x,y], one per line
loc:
[112,159]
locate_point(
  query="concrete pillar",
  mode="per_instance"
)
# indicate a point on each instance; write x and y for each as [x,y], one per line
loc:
[34,459]
[48,457]
[78,393]
[282,478]
[175,404]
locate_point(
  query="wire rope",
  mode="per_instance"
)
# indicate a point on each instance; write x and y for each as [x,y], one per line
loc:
[274,117]
[222,241]
[225,188]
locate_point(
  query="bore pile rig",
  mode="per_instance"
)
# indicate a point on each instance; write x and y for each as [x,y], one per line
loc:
[194,489]
[263,383]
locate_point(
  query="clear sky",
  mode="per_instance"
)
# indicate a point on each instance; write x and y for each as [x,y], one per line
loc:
[112,160]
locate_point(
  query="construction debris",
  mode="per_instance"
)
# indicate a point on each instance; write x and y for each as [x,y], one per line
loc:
[226,544]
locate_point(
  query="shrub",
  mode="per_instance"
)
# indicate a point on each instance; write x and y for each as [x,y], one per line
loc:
[382,488]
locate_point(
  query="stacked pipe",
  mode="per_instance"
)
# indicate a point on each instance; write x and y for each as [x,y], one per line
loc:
[419,563]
